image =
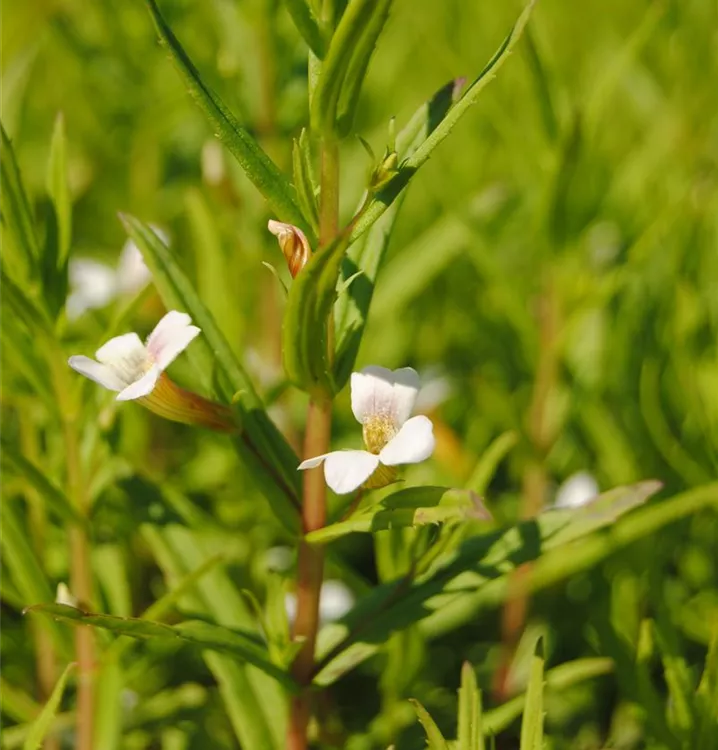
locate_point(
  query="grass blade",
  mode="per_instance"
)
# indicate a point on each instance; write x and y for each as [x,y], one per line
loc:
[532,724]
[41,725]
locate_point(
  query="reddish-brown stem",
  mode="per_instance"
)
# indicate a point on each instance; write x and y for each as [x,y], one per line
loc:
[535,480]
[310,563]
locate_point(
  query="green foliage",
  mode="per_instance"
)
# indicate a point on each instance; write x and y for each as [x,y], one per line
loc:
[550,274]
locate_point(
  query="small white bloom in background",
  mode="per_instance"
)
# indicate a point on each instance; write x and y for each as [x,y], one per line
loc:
[335,600]
[63,596]
[576,491]
[126,365]
[94,284]
[435,390]
[279,559]
[382,401]
[132,273]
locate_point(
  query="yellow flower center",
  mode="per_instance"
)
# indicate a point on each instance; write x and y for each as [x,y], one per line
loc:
[378,431]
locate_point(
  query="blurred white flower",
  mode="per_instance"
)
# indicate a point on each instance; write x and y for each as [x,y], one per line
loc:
[576,491]
[435,389]
[126,365]
[382,401]
[279,559]
[94,284]
[335,600]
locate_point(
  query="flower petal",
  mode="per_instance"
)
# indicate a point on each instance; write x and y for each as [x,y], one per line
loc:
[127,347]
[141,387]
[102,374]
[344,471]
[379,391]
[171,336]
[413,443]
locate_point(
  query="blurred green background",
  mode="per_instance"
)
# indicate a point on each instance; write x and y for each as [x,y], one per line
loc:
[553,272]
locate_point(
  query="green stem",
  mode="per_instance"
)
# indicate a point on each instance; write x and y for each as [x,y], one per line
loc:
[310,564]
[80,563]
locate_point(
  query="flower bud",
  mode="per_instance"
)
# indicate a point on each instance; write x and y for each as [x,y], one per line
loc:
[293,243]
[385,172]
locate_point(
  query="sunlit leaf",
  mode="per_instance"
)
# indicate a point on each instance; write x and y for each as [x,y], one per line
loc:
[532,722]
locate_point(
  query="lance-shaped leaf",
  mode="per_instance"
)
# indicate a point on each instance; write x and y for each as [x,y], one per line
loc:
[261,445]
[344,41]
[434,738]
[306,317]
[532,723]
[478,569]
[416,506]
[304,179]
[358,65]
[42,724]
[470,735]
[365,257]
[308,25]
[22,253]
[260,169]
[408,168]
[59,190]
[559,678]
[243,646]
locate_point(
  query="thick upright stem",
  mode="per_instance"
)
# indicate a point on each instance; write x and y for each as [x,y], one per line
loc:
[310,565]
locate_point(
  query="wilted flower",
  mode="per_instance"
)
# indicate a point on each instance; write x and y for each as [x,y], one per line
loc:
[136,372]
[382,401]
[63,596]
[293,243]
[576,491]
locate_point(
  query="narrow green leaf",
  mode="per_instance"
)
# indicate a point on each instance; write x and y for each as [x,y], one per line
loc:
[334,68]
[416,506]
[59,190]
[304,331]
[260,169]
[358,65]
[489,461]
[440,131]
[681,716]
[470,732]
[304,179]
[42,724]
[532,723]
[363,261]
[25,307]
[434,737]
[308,26]
[707,697]
[22,255]
[558,679]
[239,645]
[54,498]
[462,583]
[272,460]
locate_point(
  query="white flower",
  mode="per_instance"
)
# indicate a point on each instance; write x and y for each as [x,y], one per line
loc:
[382,401]
[94,284]
[576,491]
[126,365]
[132,273]
[335,600]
